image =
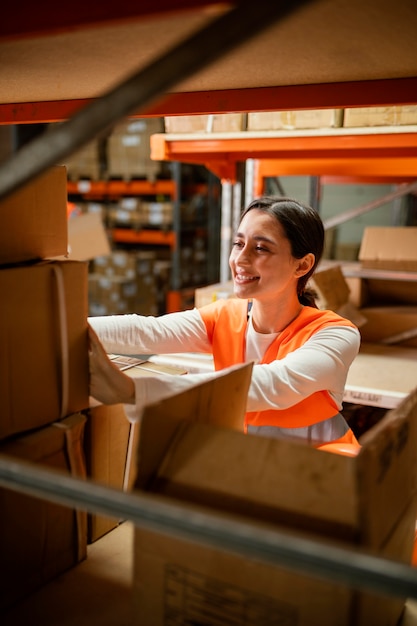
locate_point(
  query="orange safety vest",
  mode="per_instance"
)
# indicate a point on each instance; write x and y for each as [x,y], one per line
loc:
[226,322]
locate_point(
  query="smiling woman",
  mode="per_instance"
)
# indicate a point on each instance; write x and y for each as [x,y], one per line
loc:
[301,354]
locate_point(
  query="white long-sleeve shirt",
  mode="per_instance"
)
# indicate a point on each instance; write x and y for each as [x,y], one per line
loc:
[321,363]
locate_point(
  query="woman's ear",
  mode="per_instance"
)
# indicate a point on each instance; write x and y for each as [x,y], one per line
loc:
[305,264]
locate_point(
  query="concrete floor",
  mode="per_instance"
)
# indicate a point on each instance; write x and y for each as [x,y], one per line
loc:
[98,591]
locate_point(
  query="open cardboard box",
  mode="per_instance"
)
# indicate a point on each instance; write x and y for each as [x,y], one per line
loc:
[191,450]
[110,440]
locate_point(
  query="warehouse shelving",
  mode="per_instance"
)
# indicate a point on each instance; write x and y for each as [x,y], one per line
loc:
[48,75]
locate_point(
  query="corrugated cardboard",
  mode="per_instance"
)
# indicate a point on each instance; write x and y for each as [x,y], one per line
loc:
[111,442]
[211,293]
[380,116]
[389,248]
[391,325]
[34,219]
[39,539]
[225,122]
[87,237]
[43,344]
[333,293]
[106,443]
[277,120]
[269,481]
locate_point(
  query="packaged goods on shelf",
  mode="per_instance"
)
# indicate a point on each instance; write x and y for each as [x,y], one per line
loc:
[156,214]
[114,295]
[275,484]
[290,120]
[85,163]
[128,150]
[39,539]
[43,344]
[220,123]
[389,248]
[380,116]
[34,219]
[211,293]
[124,213]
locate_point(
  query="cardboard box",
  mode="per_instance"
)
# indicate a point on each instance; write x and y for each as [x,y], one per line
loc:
[128,149]
[381,375]
[43,344]
[211,293]
[34,219]
[221,123]
[87,237]
[289,120]
[389,248]
[276,483]
[39,539]
[106,444]
[110,442]
[391,325]
[380,116]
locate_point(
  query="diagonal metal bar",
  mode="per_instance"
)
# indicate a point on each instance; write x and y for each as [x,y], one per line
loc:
[221,35]
[401,190]
[295,552]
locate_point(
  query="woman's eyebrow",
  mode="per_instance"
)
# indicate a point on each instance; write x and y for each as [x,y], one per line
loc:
[257,238]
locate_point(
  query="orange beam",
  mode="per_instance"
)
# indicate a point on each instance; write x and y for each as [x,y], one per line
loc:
[338,170]
[117,188]
[387,167]
[336,95]
[388,92]
[258,146]
[150,237]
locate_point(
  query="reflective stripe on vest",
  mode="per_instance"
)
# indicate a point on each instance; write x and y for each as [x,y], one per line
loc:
[334,429]
[226,322]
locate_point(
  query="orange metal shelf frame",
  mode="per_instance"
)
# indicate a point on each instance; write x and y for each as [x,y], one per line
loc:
[117,188]
[386,92]
[151,237]
[390,154]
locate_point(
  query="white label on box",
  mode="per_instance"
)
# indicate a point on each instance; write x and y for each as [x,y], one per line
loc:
[130,140]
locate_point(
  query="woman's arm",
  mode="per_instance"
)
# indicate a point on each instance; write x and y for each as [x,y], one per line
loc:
[322,363]
[136,334]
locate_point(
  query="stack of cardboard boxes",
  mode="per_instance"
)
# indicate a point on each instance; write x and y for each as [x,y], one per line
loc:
[44,380]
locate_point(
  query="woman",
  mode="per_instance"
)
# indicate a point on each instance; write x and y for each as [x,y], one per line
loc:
[301,354]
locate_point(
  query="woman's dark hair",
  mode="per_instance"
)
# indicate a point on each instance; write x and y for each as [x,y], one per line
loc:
[304,230]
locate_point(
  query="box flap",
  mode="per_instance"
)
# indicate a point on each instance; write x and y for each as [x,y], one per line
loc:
[220,402]
[387,470]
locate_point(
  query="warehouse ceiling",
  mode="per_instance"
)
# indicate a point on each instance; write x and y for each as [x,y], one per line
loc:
[326,41]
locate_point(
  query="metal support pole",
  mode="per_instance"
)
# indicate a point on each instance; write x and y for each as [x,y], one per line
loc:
[292,551]
[225,230]
[236,209]
[315,192]
[222,34]
[402,190]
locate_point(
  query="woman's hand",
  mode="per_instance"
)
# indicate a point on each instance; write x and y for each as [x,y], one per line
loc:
[107,383]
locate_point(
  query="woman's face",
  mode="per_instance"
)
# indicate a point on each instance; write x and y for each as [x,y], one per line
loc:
[261,261]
